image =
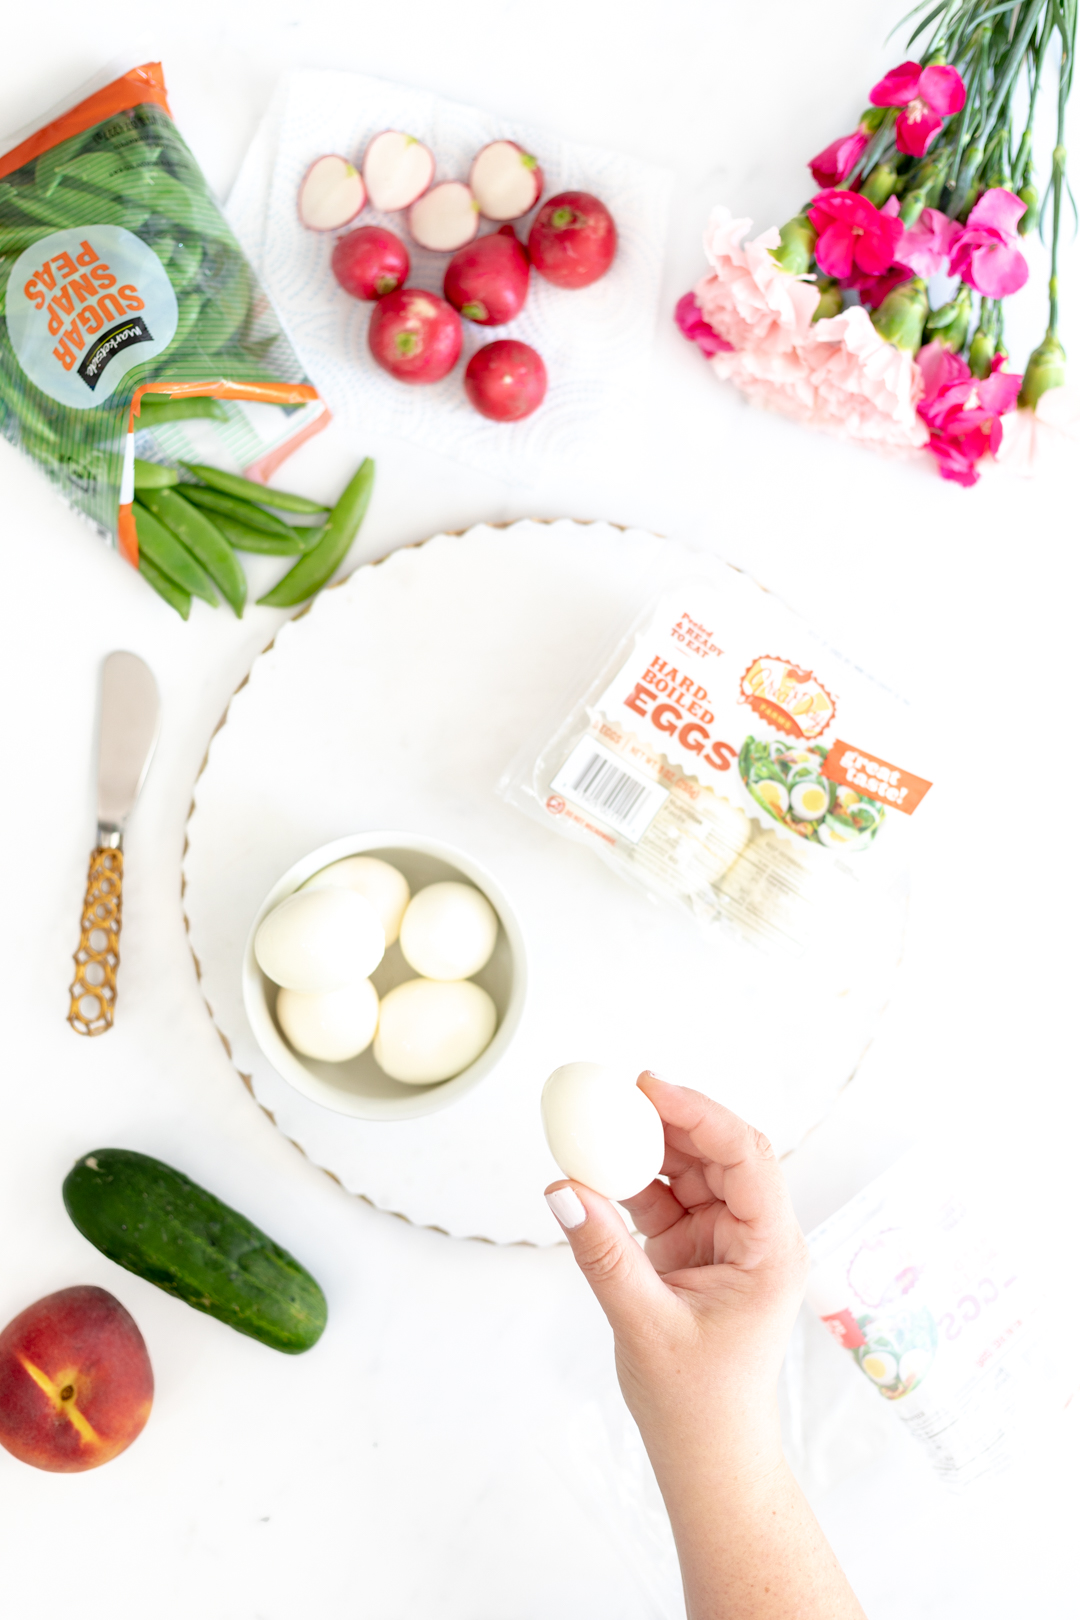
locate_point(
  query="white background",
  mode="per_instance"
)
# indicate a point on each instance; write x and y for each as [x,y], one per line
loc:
[430,1459]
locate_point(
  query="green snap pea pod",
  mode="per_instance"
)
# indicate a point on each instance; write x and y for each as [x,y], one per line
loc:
[172,593]
[226,312]
[241,538]
[178,410]
[213,500]
[247,490]
[167,554]
[184,264]
[15,239]
[201,537]
[190,310]
[152,475]
[316,566]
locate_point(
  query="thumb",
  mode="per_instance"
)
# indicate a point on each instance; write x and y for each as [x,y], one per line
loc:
[614,1265]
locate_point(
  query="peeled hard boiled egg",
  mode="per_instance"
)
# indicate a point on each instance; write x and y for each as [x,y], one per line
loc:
[430,1031]
[602,1129]
[448,931]
[376,880]
[320,939]
[331,1025]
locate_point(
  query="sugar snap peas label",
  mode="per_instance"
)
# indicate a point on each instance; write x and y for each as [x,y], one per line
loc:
[84,306]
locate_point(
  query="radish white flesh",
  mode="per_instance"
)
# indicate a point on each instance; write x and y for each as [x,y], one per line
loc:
[505,180]
[445,218]
[331,194]
[397,169]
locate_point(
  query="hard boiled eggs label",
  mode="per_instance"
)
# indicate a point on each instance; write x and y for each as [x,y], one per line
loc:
[602,1129]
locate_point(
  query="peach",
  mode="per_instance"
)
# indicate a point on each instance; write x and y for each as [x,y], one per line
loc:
[75,1381]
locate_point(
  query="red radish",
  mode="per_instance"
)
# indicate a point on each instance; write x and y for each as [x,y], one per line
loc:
[573,239]
[488,280]
[370,262]
[331,194]
[415,335]
[505,180]
[505,380]
[397,169]
[445,218]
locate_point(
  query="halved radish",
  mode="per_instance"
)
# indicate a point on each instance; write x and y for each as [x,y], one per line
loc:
[505,180]
[397,169]
[331,194]
[445,218]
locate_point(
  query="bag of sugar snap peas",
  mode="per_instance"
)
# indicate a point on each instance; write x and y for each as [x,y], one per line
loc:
[120,280]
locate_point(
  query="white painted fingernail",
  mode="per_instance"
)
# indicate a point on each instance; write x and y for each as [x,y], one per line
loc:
[566,1207]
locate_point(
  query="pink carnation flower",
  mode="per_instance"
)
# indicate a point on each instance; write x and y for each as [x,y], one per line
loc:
[1046,439]
[693,326]
[748,301]
[874,290]
[838,159]
[852,234]
[842,378]
[986,252]
[926,95]
[925,248]
[963,413]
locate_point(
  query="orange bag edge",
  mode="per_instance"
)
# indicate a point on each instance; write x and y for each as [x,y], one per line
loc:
[141,84]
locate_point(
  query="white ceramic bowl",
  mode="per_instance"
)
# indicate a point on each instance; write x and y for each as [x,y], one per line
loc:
[359,1087]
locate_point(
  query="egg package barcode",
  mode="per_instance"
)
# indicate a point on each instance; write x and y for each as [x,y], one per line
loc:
[727,759]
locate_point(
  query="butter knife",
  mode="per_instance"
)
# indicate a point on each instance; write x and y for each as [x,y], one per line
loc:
[130,720]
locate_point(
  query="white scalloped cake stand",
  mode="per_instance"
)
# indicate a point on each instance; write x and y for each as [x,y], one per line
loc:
[397,702]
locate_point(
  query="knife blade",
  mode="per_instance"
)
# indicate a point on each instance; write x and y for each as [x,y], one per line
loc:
[128,733]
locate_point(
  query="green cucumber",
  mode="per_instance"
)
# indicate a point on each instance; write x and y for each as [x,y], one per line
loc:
[153,1221]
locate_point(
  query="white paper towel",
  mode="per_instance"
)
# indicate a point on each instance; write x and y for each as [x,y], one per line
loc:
[595,341]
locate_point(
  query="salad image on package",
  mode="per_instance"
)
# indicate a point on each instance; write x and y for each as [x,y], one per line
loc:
[129,307]
[729,760]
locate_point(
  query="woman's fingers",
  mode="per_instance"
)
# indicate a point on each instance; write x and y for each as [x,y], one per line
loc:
[655,1210]
[750,1183]
[615,1267]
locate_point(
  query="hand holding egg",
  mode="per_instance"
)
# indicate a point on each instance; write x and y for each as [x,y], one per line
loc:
[602,1129]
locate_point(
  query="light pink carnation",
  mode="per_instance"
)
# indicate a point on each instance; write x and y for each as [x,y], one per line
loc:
[842,378]
[1046,439]
[748,300]
[866,388]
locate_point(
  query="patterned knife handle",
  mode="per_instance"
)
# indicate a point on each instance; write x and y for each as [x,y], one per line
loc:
[93,992]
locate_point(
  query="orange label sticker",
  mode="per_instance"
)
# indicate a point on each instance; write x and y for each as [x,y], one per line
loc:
[790,699]
[875,778]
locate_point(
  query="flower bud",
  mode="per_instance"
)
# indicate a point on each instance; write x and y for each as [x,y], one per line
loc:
[902,315]
[880,183]
[830,298]
[923,190]
[1045,369]
[981,357]
[952,322]
[872,120]
[798,239]
[1029,195]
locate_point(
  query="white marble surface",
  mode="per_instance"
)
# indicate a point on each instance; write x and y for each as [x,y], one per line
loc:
[454,1448]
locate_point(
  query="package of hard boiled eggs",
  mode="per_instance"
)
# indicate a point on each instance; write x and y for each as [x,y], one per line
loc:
[728,760]
[321,945]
